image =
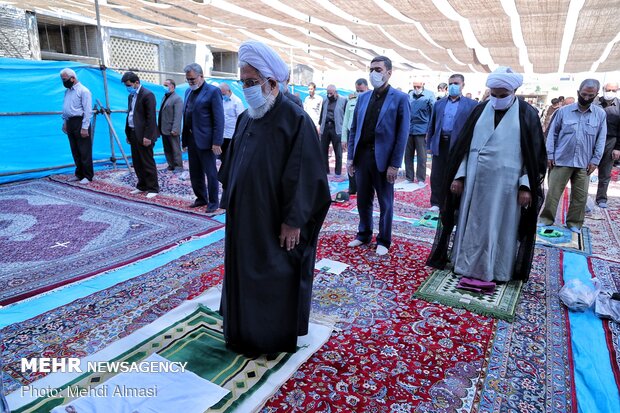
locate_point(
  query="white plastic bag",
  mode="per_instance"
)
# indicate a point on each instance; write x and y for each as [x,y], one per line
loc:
[579,296]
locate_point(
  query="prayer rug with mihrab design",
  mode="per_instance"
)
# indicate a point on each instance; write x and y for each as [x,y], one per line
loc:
[441,287]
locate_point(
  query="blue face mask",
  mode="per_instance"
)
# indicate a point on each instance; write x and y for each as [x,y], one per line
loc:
[166,89]
[454,90]
[226,98]
[254,96]
[131,90]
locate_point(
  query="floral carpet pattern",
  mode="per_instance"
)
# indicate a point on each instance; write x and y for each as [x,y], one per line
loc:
[89,324]
[53,234]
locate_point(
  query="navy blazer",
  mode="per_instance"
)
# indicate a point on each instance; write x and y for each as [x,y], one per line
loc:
[433,136]
[391,132]
[207,117]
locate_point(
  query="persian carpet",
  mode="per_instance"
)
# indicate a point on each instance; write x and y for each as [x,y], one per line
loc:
[174,192]
[53,234]
[397,354]
[441,287]
[391,353]
[565,239]
[608,273]
[90,324]
[197,339]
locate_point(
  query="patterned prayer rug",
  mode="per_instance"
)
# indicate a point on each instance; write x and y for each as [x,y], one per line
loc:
[197,339]
[441,287]
[54,234]
[88,325]
[562,237]
[608,273]
[175,189]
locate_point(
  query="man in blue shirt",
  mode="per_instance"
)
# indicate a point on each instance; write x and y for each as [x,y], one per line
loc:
[575,146]
[449,116]
[421,102]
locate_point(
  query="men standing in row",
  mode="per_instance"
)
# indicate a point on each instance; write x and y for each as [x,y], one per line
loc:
[377,141]
[76,114]
[611,105]
[496,172]
[421,101]
[233,107]
[169,123]
[332,114]
[449,116]
[203,135]
[276,197]
[141,131]
[313,104]
[361,86]
[575,146]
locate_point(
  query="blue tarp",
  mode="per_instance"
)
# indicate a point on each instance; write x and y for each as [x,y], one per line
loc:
[37,141]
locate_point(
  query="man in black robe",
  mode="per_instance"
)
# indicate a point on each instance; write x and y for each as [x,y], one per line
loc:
[525,127]
[276,197]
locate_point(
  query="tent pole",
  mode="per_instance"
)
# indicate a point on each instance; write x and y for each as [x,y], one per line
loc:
[113,134]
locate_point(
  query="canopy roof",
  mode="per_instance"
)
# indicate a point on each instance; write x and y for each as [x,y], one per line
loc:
[531,36]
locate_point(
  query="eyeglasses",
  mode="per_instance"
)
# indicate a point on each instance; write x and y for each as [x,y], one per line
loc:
[250,82]
[192,79]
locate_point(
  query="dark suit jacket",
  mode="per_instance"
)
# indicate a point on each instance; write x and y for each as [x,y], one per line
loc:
[433,136]
[391,132]
[144,118]
[207,117]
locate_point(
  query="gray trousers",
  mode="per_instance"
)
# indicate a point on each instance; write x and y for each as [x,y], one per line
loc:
[416,145]
[604,170]
[172,150]
[558,178]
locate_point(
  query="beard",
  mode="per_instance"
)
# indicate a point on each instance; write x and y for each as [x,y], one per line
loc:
[259,112]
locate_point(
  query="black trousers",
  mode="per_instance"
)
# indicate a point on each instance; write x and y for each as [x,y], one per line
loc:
[81,148]
[330,136]
[438,173]
[604,171]
[143,164]
[201,163]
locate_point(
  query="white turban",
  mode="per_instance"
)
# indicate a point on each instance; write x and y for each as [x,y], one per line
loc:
[264,59]
[503,77]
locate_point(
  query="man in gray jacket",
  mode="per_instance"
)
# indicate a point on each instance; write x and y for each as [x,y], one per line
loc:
[332,114]
[169,123]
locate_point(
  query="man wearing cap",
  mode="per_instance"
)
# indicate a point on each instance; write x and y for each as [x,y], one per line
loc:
[377,142]
[495,177]
[276,197]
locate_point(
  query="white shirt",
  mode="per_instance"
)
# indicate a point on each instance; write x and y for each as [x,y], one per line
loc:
[312,106]
[232,110]
[134,97]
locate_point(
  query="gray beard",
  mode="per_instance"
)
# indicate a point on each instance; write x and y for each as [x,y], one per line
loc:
[257,113]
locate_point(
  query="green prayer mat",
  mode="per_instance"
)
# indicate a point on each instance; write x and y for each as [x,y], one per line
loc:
[428,220]
[440,287]
[197,339]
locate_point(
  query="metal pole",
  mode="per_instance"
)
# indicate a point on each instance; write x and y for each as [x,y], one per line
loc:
[99,35]
[113,133]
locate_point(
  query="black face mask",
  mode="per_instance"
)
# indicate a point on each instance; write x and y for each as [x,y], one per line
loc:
[67,83]
[584,102]
[331,98]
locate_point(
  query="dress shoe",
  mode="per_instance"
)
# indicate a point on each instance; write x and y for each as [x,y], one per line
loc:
[197,204]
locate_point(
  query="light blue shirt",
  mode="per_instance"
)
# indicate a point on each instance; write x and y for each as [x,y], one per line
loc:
[577,138]
[78,102]
[449,113]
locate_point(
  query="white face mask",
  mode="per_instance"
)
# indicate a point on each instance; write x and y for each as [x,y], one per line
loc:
[501,103]
[376,79]
[609,95]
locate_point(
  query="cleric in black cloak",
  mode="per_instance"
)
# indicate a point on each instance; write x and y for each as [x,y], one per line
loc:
[494,188]
[276,197]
